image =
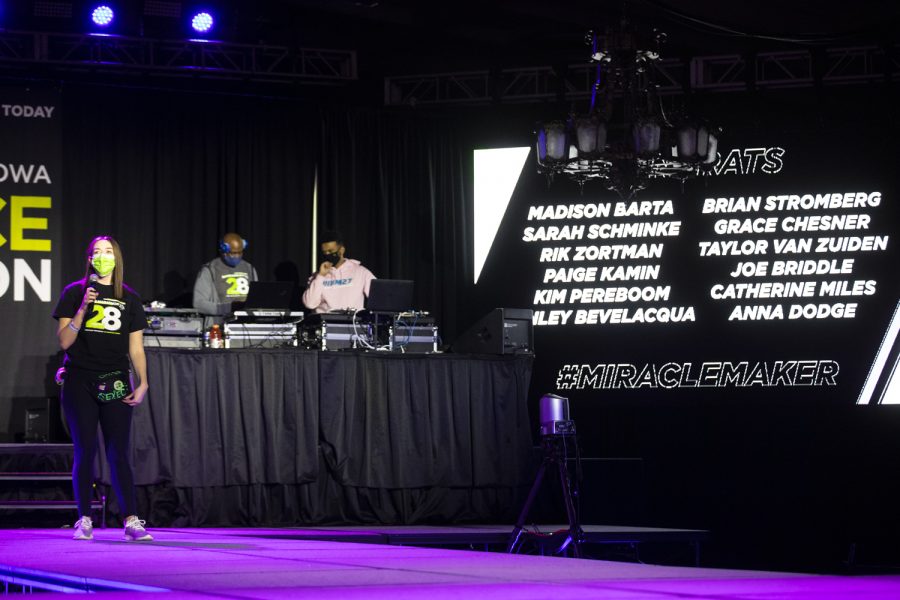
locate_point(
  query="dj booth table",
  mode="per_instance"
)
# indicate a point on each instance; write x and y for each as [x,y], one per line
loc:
[282,436]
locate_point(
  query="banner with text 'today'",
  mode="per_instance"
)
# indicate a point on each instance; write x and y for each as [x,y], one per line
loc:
[30,188]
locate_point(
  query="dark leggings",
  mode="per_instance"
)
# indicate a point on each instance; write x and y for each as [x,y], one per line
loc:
[83,411]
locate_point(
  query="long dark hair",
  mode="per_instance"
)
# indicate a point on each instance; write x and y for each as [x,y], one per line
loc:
[118,272]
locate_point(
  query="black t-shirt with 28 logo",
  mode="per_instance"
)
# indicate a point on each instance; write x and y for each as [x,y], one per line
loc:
[102,342]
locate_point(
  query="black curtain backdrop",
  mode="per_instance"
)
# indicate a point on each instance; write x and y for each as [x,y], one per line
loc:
[167,174]
[395,185]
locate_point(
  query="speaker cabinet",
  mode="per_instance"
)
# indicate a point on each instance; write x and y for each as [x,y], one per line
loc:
[501,331]
[43,421]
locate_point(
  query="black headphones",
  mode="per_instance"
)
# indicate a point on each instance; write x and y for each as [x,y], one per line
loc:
[224,248]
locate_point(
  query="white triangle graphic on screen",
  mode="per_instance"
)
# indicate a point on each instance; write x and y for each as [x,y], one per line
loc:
[884,361]
[496,173]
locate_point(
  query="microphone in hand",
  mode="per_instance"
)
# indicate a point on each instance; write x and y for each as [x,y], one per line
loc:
[90,292]
[325,268]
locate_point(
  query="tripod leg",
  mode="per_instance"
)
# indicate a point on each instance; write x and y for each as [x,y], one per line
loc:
[575,533]
[515,536]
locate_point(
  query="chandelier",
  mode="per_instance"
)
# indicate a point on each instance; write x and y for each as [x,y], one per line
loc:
[625,139]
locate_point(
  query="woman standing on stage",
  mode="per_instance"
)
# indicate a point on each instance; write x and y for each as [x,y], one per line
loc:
[101,323]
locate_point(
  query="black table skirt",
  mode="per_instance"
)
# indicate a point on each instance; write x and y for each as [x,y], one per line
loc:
[245,437]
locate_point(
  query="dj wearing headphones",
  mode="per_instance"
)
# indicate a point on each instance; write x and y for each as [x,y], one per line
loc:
[223,280]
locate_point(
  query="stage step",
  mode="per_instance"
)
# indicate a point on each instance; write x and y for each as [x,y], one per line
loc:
[45,504]
[33,482]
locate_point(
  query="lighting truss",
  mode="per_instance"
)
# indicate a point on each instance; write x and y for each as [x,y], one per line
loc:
[196,58]
[726,73]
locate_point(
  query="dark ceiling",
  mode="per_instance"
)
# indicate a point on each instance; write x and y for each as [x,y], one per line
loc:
[405,36]
[409,37]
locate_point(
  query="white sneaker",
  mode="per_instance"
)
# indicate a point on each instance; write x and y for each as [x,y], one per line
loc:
[84,529]
[135,532]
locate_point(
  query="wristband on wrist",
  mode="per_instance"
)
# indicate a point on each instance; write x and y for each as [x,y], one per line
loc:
[71,326]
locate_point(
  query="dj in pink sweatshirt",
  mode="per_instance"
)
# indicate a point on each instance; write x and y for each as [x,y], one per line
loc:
[345,286]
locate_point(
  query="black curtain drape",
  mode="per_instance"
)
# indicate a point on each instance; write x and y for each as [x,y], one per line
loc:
[227,418]
[395,185]
[250,437]
[407,421]
[168,173]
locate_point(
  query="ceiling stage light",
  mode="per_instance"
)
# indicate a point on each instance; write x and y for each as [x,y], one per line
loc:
[202,22]
[102,15]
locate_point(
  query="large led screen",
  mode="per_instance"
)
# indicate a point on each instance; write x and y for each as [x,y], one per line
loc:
[772,279]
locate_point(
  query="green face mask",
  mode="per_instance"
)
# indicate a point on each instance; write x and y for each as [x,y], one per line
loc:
[104,264]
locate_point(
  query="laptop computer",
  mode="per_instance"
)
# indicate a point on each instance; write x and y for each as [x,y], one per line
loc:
[390,295]
[270,299]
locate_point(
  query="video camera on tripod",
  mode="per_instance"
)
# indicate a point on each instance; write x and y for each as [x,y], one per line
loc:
[557,434]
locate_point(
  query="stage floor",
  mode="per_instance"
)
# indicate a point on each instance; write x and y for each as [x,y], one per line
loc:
[488,535]
[274,563]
